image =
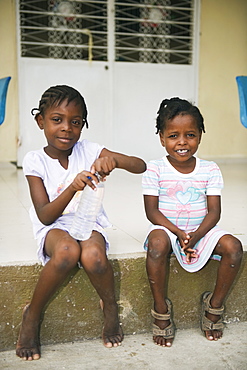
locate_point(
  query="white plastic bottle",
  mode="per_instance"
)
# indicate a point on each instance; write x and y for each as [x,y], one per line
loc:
[88,208]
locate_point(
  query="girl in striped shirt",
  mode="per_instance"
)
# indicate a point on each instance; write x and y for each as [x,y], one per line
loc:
[182,196]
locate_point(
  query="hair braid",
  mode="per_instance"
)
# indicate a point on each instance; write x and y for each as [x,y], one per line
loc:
[55,95]
[170,108]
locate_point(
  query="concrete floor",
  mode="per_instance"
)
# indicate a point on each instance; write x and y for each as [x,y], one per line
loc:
[190,351]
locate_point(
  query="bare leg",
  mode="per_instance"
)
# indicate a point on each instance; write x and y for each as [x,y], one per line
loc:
[230,250]
[159,248]
[64,252]
[100,273]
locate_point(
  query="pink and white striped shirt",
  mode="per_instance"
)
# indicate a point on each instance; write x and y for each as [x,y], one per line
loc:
[183,200]
[182,197]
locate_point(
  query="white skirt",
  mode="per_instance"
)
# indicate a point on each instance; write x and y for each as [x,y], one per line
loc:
[63,223]
[204,247]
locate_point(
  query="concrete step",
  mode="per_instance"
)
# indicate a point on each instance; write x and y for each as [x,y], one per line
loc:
[74,312]
[190,351]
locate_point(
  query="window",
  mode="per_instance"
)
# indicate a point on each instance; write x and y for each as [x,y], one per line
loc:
[154,31]
[148,31]
[63,29]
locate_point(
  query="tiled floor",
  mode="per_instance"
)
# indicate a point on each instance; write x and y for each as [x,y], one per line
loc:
[123,203]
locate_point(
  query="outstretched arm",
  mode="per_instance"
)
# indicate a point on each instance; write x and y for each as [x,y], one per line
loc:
[48,212]
[108,161]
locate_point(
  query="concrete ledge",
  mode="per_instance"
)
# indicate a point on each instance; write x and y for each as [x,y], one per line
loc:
[74,313]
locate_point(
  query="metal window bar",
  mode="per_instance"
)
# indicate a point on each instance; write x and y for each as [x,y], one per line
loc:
[154,31]
[149,31]
[63,29]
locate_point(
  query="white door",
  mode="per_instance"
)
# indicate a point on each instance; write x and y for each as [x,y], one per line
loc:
[142,52]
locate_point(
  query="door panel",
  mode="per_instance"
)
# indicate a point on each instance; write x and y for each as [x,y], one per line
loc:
[37,75]
[146,52]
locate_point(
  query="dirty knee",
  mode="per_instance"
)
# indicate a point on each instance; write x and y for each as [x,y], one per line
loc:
[235,251]
[66,257]
[94,261]
[232,249]
[97,266]
[158,248]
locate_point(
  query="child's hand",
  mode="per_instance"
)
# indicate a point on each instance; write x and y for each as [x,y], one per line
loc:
[187,246]
[82,179]
[183,238]
[194,238]
[190,253]
[103,166]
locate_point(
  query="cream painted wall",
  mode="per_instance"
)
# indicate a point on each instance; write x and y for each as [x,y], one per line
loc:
[223,56]
[8,67]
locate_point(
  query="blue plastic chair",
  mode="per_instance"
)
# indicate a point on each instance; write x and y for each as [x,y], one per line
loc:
[4,83]
[242,92]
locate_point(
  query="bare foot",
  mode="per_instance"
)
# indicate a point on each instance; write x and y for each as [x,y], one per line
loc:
[112,331]
[28,346]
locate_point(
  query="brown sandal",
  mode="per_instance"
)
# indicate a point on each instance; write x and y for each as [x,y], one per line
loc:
[207,324]
[169,331]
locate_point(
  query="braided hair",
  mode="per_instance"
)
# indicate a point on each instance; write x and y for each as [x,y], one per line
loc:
[170,108]
[55,95]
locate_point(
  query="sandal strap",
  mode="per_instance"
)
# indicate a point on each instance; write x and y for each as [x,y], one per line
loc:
[207,324]
[163,316]
[167,333]
[206,300]
[160,316]
[210,325]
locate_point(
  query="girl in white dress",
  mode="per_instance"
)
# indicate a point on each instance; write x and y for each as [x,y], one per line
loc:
[56,176]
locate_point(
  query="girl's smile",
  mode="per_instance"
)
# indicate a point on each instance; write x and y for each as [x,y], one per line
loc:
[182,151]
[64,139]
[181,138]
[62,125]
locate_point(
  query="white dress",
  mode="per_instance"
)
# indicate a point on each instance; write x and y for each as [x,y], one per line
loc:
[56,179]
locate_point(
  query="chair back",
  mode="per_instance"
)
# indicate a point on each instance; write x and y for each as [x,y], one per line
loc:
[4,83]
[242,92]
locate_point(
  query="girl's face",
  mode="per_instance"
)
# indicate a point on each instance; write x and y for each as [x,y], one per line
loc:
[62,126]
[181,138]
